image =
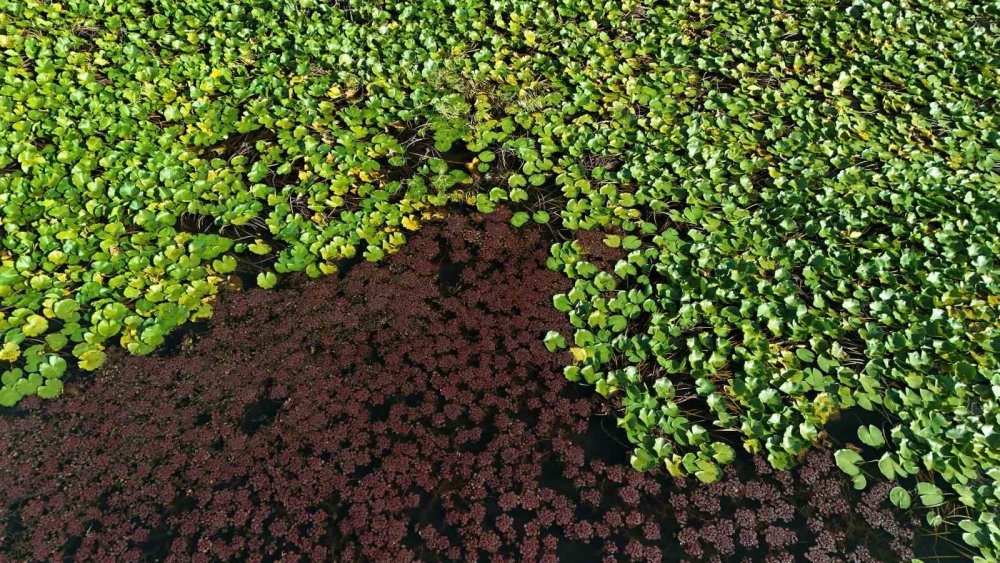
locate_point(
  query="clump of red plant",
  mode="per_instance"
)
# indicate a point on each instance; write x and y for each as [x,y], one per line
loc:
[406,411]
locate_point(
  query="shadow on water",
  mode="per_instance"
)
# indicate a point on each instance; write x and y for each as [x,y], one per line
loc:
[261,412]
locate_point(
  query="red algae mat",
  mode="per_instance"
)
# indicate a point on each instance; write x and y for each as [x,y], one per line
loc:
[408,411]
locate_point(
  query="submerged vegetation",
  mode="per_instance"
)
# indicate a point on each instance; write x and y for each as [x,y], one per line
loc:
[803,196]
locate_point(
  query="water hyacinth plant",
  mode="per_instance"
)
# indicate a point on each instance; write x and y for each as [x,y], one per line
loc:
[803,192]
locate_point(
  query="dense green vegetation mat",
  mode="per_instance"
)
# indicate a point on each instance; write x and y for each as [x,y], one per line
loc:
[806,196]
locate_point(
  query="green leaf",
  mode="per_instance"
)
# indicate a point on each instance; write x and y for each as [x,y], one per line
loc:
[258,171]
[723,453]
[859,481]
[930,494]
[852,306]
[805,355]
[554,341]
[224,265]
[66,309]
[972,532]
[708,471]
[28,386]
[641,460]
[484,204]
[847,461]
[260,248]
[374,254]
[900,497]
[871,435]
[9,397]
[886,466]
[10,376]
[267,280]
[664,388]
[52,368]
[51,389]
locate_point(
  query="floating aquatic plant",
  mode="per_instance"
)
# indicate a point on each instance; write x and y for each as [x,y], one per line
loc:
[803,193]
